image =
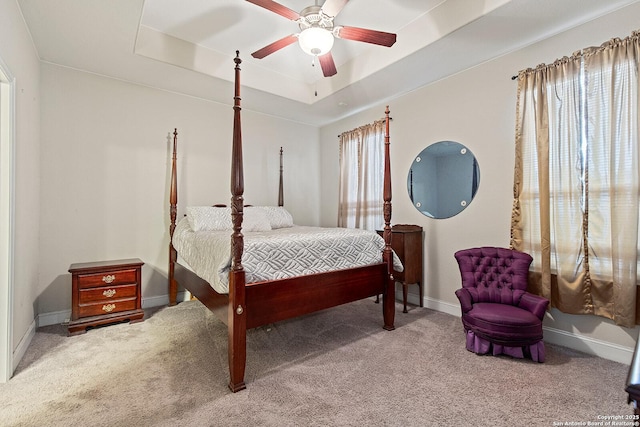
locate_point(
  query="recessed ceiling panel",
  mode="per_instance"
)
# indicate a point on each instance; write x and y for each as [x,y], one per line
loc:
[216,29]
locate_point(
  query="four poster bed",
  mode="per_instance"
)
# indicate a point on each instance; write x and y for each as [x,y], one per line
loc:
[249,305]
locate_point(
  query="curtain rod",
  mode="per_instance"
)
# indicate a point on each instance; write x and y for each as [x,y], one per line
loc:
[383,119]
[586,50]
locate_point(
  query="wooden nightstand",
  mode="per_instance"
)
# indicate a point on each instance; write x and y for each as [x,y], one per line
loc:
[105,292]
[406,241]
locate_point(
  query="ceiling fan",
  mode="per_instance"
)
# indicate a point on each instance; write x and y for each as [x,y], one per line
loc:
[317,32]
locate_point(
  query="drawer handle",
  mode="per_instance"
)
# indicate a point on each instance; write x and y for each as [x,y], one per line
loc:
[108,307]
[109,278]
[109,293]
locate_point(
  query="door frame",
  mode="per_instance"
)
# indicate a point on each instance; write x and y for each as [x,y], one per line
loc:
[7,215]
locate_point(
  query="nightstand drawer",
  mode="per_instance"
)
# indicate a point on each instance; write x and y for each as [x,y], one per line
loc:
[110,278]
[106,307]
[105,293]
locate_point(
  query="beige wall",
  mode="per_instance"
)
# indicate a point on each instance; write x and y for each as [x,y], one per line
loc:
[105,173]
[476,108]
[19,55]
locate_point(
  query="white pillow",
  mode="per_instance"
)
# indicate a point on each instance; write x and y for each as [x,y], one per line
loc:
[255,219]
[209,218]
[278,216]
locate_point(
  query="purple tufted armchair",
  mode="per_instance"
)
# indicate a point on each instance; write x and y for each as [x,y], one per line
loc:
[498,314]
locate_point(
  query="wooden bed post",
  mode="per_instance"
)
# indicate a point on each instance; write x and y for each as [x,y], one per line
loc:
[388,297]
[281,186]
[237,318]
[173,201]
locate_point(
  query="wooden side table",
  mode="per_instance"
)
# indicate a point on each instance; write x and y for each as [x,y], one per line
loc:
[105,292]
[406,242]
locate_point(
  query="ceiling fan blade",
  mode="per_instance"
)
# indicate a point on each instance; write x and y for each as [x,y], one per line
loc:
[333,7]
[277,45]
[368,36]
[327,64]
[277,8]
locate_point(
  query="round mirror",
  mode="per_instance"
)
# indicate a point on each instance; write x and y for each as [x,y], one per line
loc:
[443,179]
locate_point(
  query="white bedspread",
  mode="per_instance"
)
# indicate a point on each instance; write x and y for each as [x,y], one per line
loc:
[277,254]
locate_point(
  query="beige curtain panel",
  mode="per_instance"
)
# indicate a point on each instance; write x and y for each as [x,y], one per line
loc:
[360,194]
[576,180]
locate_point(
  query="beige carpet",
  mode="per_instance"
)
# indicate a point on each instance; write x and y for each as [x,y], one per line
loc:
[337,367]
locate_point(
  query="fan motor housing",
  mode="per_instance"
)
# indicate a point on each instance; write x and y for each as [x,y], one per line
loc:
[312,16]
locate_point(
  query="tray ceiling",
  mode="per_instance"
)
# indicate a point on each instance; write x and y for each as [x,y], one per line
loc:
[188,46]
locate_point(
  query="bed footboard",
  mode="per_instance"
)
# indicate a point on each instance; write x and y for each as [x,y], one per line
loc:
[274,301]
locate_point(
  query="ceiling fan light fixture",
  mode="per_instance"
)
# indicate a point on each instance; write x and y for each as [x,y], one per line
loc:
[315,41]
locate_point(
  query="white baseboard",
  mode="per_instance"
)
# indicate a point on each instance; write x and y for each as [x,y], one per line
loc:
[23,345]
[53,318]
[588,345]
[433,304]
[157,301]
[581,343]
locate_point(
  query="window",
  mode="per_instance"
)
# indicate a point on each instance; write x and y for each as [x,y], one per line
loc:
[361,201]
[576,189]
